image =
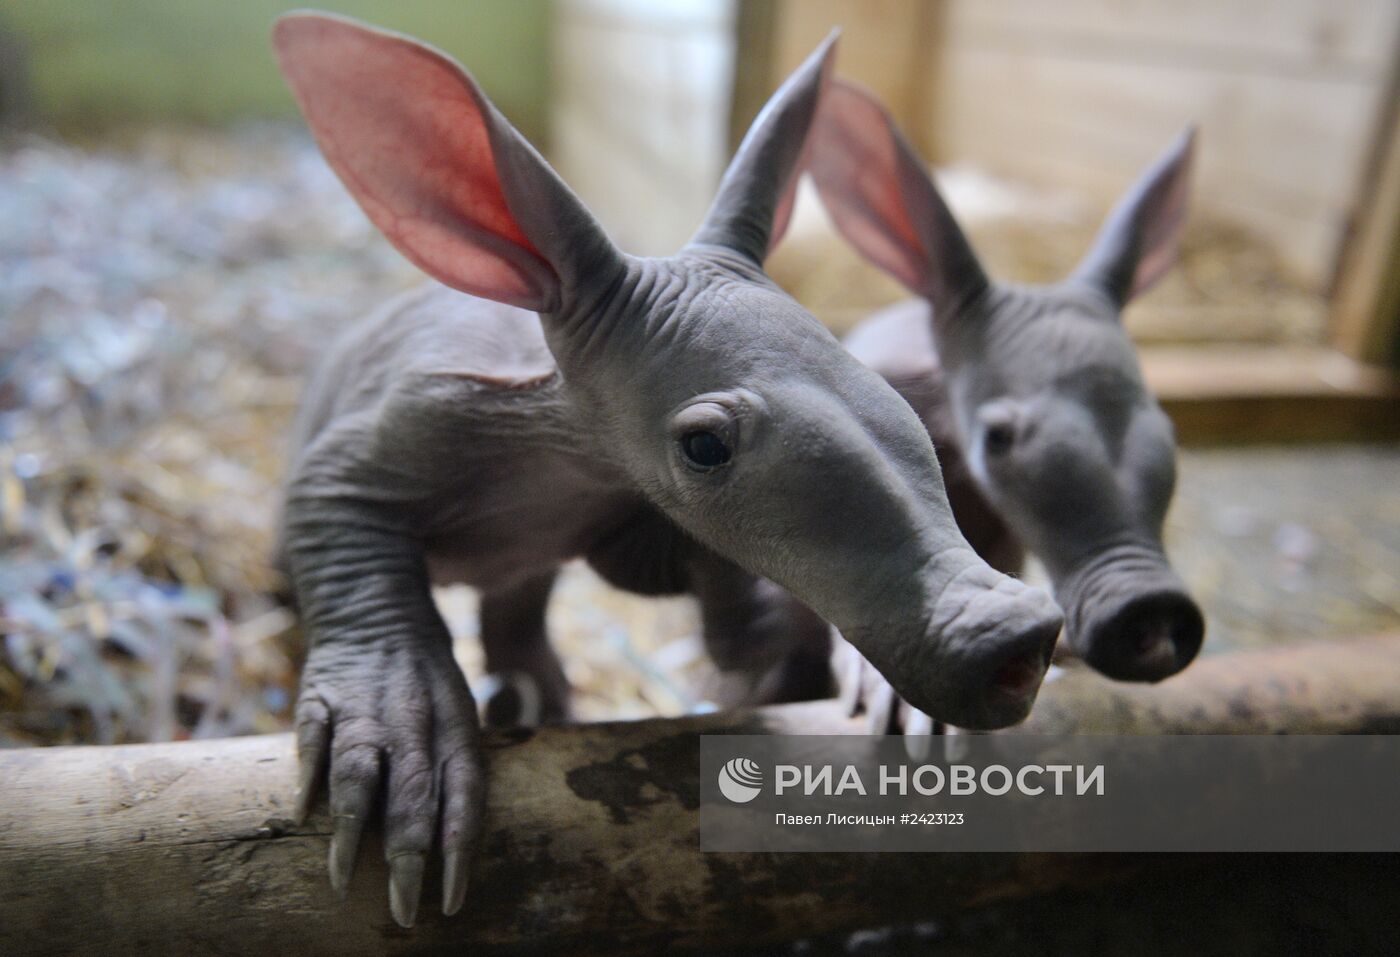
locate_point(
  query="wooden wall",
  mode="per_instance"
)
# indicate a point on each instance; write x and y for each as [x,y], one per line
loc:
[885,45]
[641,112]
[1083,93]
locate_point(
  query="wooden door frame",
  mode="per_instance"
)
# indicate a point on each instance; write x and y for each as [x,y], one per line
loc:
[1365,319]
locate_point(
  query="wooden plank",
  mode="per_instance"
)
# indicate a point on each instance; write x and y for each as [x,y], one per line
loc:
[755,26]
[641,113]
[617,189]
[1283,420]
[885,46]
[1281,156]
[1271,394]
[1336,38]
[1366,315]
[1113,114]
[1190,372]
[676,18]
[591,831]
[1268,321]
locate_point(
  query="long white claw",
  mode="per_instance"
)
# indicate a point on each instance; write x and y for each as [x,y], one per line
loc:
[405,887]
[454,881]
[918,735]
[955,744]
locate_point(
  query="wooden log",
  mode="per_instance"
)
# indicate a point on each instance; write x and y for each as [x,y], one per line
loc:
[591,843]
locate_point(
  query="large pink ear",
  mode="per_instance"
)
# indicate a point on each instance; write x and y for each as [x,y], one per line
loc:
[753,206]
[1138,242]
[881,198]
[433,164]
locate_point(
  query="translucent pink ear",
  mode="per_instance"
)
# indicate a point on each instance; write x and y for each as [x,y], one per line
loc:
[1139,240]
[881,198]
[450,183]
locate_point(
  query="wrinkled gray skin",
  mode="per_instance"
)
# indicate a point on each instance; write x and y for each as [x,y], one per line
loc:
[454,439]
[1047,435]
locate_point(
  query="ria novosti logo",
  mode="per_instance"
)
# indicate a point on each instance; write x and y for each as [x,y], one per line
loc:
[740,780]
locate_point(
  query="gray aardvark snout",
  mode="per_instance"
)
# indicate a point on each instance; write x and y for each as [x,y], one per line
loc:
[1132,619]
[1009,634]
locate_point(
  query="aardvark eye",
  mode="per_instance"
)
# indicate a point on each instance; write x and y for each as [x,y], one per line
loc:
[704,450]
[999,438]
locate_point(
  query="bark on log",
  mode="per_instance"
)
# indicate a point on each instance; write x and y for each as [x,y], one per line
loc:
[591,842]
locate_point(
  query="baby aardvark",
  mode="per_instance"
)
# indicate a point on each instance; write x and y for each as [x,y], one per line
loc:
[671,420]
[1047,435]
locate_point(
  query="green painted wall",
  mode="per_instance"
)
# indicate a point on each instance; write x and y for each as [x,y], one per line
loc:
[92,65]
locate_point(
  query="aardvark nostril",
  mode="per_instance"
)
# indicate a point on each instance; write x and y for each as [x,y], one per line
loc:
[1150,638]
[994,642]
[1018,676]
[1154,645]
